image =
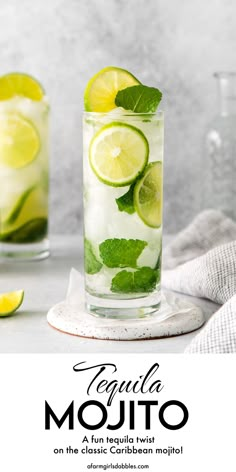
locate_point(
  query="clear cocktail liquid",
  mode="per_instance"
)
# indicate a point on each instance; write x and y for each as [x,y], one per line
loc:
[122,252]
[24,188]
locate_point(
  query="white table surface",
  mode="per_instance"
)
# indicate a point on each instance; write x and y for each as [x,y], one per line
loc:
[45,284]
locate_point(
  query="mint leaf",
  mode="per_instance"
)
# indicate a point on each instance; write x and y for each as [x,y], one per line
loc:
[126,202]
[142,280]
[123,282]
[145,279]
[121,252]
[139,98]
[92,265]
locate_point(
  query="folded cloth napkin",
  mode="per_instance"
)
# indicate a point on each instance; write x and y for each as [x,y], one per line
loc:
[201,261]
[219,334]
[208,230]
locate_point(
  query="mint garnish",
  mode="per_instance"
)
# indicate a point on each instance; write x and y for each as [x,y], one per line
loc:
[142,280]
[139,98]
[92,265]
[121,252]
[125,202]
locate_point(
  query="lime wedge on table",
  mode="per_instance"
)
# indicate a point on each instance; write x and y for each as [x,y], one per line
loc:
[24,85]
[19,141]
[100,93]
[118,153]
[9,302]
[148,195]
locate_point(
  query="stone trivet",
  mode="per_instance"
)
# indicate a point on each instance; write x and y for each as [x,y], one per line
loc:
[175,317]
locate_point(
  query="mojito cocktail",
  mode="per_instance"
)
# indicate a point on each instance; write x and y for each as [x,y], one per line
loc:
[24,113]
[123,154]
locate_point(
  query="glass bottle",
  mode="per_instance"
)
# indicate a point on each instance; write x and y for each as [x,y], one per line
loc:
[220,165]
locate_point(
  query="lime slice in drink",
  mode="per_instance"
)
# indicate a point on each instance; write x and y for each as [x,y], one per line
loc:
[118,153]
[19,141]
[148,195]
[31,205]
[9,302]
[101,90]
[30,232]
[11,216]
[20,84]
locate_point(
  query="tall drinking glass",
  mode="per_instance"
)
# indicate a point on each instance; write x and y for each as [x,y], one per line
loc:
[24,178]
[123,154]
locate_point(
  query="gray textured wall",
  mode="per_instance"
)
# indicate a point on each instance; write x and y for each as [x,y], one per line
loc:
[174,44]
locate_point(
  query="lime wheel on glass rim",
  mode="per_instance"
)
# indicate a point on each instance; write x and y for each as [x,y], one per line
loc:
[20,84]
[102,88]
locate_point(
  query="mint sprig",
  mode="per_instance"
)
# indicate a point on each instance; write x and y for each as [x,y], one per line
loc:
[126,201]
[139,99]
[121,252]
[141,281]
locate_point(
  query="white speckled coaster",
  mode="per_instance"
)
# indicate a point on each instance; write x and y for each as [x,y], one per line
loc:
[176,316]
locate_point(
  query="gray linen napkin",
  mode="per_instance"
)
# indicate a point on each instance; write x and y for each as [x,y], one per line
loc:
[219,334]
[201,261]
[208,230]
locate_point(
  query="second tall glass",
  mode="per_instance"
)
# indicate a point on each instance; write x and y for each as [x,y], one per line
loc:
[24,178]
